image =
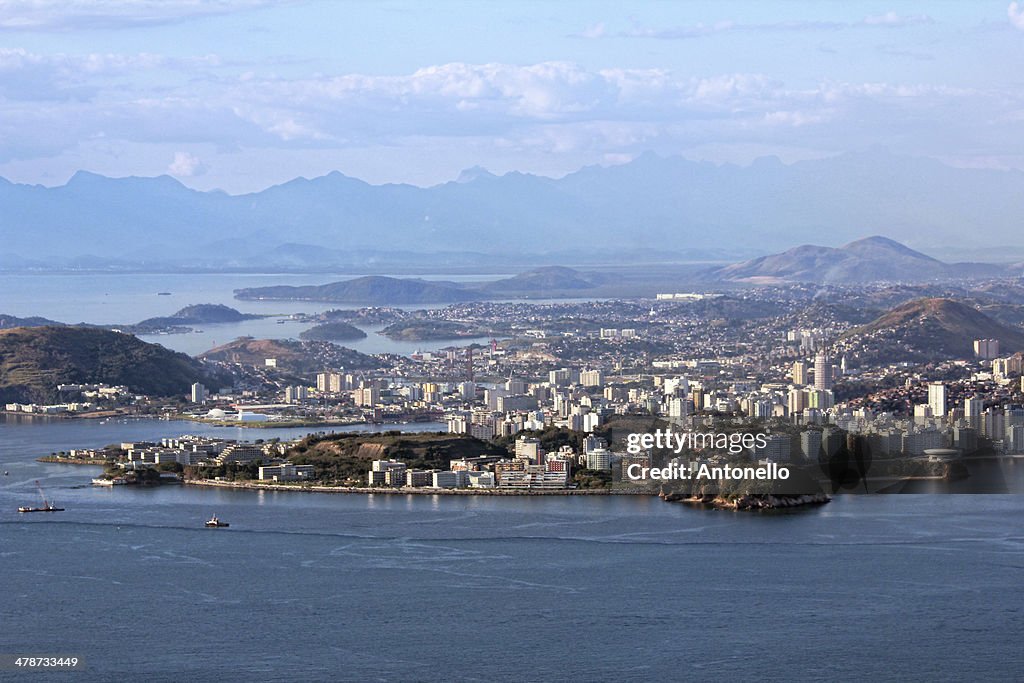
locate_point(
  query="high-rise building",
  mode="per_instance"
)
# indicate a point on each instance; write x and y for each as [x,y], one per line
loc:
[800,373]
[599,459]
[810,445]
[972,412]
[822,372]
[797,401]
[367,396]
[198,393]
[986,349]
[937,398]
[529,448]
[295,394]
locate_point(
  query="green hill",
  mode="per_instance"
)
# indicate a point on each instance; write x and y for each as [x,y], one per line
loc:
[932,329]
[34,360]
[302,357]
[199,314]
[337,331]
[338,457]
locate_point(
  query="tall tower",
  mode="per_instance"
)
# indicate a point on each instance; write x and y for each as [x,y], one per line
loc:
[822,372]
[800,373]
[937,398]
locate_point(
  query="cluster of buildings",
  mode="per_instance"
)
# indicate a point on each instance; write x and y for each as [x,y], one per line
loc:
[78,398]
[530,467]
[209,452]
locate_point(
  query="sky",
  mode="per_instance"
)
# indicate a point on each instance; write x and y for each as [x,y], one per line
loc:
[239,95]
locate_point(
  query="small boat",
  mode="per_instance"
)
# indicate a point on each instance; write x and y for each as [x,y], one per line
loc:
[214,522]
[163,293]
[46,508]
[47,505]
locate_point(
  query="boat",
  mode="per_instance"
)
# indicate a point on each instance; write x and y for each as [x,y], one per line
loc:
[116,481]
[214,522]
[163,293]
[47,505]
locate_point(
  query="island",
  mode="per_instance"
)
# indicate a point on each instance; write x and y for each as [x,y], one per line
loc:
[432,330]
[335,331]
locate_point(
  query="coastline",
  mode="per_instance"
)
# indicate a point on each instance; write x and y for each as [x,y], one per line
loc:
[417,491]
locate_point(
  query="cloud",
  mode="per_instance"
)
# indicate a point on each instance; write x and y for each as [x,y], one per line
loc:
[63,15]
[885,20]
[1016,14]
[894,19]
[593,31]
[186,165]
[56,104]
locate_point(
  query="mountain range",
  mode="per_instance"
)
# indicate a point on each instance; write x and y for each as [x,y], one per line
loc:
[650,208]
[866,260]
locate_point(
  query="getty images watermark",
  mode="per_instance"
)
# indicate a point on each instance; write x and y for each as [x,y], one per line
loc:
[733,443]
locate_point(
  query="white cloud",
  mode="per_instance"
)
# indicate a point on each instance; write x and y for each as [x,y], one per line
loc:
[593,31]
[893,19]
[59,15]
[50,104]
[186,165]
[885,20]
[1016,14]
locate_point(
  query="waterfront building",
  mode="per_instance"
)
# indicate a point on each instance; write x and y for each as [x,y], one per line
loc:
[286,471]
[599,459]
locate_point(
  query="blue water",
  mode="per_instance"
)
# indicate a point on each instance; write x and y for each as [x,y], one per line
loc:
[129,298]
[353,587]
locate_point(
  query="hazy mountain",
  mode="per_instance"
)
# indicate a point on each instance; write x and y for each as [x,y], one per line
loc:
[866,260]
[9,321]
[652,203]
[933,329]
[34,360]
[365,290]
[544,280]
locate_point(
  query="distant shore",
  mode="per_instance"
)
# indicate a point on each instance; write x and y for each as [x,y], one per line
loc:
[421,490]
[92,462]
[289,424]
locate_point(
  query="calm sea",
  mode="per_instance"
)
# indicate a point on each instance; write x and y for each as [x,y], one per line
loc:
[355,587]
[130,298]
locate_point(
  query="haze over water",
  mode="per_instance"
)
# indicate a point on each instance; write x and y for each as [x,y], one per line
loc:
[130,298]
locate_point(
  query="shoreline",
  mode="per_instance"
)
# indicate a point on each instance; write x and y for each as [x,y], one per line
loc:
[290,424]
[417,491]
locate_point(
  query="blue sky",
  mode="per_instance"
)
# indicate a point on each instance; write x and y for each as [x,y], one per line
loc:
[242,94]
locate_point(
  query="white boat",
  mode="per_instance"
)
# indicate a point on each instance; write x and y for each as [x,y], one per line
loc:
[214,522]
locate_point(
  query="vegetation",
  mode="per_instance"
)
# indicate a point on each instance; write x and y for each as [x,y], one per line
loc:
[336,331]
[930,329]
[339,458]
[428,330]
[294,356]
[33,361]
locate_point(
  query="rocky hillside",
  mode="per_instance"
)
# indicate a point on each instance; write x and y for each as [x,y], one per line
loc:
[302,357]
[932,329]
[34,360]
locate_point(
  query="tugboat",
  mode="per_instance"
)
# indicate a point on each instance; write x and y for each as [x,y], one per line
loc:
[47,505]
[213,522]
